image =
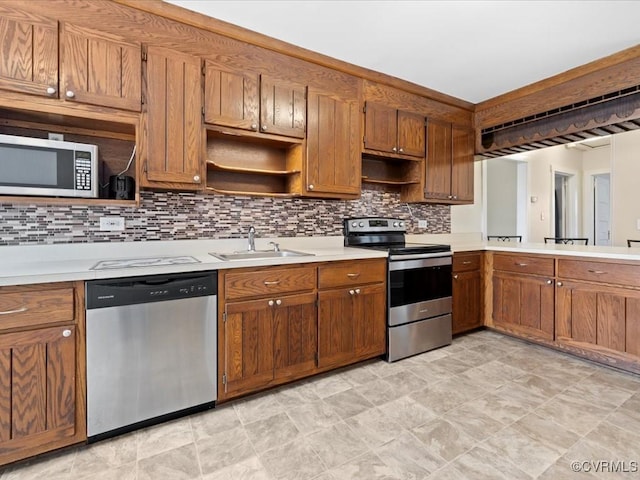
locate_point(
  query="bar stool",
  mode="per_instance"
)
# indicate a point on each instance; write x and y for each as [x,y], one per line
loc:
[566,240]
[505,238]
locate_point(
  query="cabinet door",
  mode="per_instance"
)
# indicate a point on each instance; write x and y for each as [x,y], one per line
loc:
[467,298]
[333,154]
[29,61]
[598,317]
[37,389]
[174,120]
[283,108]
[231,98]
[248,346]
[369,321]
[381,128]
[462,164]
[99,69]
[411,134]
[524,304]
[336,320]
[351,324]
[295,332]
[438,164]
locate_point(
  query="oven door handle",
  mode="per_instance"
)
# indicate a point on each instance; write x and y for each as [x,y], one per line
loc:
[418,263]
[419,256]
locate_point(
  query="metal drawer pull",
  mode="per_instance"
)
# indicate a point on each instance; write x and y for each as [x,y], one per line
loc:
[522,264]
[275,282]
[424,310]
[19,310]
[66,333]
[466,262]
[599,272]
[353,275]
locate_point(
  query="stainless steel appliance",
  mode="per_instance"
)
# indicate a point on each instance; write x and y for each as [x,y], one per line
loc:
[36,166]
[419,278]
[151,350]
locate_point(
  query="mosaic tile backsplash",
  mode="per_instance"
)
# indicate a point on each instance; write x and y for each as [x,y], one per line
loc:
[187,216]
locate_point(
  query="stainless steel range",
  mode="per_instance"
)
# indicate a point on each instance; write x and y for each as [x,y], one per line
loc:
[419,279]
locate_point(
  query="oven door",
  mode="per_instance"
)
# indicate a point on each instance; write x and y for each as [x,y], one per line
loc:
[419,287]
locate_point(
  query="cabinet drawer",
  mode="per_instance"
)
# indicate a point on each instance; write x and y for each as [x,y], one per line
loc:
[615,273]
[269,282]
[524,264]
[343,274]
[465,262]
[27,307]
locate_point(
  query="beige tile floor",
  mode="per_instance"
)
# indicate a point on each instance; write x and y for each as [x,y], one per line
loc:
[486,407]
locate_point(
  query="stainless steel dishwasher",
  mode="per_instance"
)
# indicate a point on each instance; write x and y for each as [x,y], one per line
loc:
[151,350]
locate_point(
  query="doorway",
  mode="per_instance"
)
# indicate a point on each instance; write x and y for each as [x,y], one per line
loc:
[565,205]
[602,209]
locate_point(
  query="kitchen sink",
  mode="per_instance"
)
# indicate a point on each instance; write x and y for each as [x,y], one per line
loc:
[257,254]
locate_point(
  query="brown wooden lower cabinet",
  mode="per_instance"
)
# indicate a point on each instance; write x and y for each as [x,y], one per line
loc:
[602,319]
[524,304]
[274,326]
[351,324]
[467,291]
[41,370]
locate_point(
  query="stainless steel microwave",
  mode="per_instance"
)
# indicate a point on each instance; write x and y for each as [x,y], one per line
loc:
[35,166]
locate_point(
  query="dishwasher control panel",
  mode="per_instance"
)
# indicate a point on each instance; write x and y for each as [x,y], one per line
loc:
[154,288]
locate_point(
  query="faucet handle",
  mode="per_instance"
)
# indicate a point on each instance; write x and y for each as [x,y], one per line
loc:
[276,246]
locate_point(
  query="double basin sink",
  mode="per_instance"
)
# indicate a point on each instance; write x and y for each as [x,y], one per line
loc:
[258,254]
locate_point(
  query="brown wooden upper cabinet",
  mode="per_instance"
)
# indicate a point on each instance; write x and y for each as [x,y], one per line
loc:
[100,70]
[172,124]
[29,54]
[254,102]
[394,132]
[333,155]
[94,68]
[449,165]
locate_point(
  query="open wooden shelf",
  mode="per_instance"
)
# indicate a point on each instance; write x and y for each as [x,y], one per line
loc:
[383,181]
[251,193]
[257,171]
[391,172]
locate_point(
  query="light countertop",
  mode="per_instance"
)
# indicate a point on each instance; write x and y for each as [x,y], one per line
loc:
[21,265]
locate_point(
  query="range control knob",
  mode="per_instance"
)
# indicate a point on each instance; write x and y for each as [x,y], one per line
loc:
[395,224]
[354,224]
[361,224]
[401,224]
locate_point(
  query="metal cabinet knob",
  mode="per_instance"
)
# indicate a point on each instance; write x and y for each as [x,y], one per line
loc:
[51,91]
[196,178]
[264,128]
[66,333]
[455,277]
[559,284]
[450,196]
[549,282]
[352,292]
[394,149]
[310,187]
[357,291]
[70,94]
[401,150]
[254,126]
[270,303]
[455,197]
[278,302]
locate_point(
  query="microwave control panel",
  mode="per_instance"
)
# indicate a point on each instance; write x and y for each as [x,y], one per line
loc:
[83,170]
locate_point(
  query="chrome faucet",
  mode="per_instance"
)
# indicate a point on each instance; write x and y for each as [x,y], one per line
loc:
[252,239]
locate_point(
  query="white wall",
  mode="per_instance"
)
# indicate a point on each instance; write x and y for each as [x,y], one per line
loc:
[595,161]
[502,202]
[625,187]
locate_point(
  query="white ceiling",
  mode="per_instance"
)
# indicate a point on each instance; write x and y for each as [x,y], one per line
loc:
[470,49]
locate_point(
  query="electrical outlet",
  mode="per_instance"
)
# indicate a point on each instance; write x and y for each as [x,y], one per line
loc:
[422,224]
[109,224]
[638,224]
[56,136]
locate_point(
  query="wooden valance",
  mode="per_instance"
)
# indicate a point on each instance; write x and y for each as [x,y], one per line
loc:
[612,113]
